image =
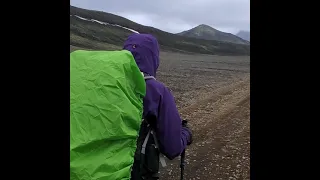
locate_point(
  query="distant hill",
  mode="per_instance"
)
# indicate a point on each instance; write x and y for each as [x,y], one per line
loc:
[244,35]
[206,32]
[100,30]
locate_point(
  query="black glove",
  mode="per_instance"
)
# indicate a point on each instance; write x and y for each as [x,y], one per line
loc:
[185,125]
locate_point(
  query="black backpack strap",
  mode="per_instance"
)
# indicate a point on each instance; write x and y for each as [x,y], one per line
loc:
[144,145]
[146,165]
[143,149]
[161,157]
[149,77]
[148,156]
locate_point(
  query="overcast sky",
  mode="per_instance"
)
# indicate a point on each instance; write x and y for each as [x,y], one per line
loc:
[177,15]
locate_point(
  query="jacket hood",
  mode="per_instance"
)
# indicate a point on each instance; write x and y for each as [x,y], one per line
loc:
[145,50]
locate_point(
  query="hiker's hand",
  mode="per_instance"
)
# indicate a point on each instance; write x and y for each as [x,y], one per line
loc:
[185,125]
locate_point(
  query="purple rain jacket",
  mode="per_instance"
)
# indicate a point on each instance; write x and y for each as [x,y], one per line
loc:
[159,102]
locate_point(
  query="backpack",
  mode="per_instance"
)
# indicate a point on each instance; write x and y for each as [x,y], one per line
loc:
[106,106]
[148,155]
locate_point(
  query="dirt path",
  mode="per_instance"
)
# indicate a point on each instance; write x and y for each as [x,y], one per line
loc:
[213,93]
[221,128]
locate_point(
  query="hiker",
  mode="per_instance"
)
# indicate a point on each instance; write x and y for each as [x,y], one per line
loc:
[122,120]
[159,109]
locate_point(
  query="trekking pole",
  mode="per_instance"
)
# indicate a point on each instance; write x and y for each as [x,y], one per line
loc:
[182,164]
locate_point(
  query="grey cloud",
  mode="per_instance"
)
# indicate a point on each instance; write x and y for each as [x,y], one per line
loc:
[178,15]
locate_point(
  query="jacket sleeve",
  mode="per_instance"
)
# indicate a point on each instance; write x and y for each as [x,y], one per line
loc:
[173,138]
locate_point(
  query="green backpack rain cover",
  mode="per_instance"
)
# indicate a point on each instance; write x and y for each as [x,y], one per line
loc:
[106,104]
